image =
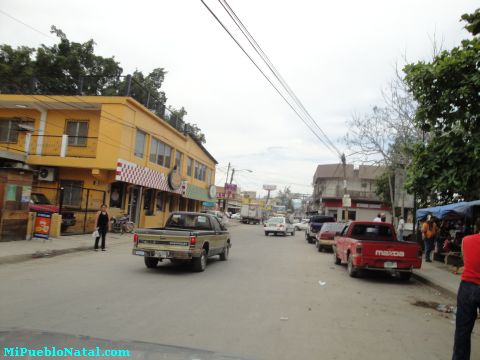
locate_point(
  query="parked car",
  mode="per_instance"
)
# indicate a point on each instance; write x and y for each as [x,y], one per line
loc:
[187,236]
[278,225]
[326,236]
[301,225]
[236,216]
[374,246]
[39,202]
[314,226]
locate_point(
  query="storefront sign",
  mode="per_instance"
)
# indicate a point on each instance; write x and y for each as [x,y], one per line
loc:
[208,204]
[139,175]
[346,201]
[212,191]
[174,180]
[41,228]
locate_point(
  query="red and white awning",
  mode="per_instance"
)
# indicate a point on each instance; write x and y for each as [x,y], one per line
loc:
[139,175]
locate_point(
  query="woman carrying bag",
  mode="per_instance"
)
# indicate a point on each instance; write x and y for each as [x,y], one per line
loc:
[102,224]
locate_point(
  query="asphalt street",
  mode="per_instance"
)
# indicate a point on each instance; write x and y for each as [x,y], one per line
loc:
[275,298]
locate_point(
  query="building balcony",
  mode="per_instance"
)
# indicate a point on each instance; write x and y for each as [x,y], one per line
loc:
[61,146]
[354,194]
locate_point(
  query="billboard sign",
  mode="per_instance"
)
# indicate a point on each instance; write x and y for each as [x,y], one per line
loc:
[270,187]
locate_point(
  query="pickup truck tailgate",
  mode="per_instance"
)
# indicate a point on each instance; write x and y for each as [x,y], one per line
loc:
[394,254]
[164,240]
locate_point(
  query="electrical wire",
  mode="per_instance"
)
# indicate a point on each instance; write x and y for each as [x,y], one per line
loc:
[25,24]
[274,70]
[264,75]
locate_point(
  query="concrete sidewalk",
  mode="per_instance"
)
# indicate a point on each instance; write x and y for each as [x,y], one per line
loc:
[438,276]
[18,251]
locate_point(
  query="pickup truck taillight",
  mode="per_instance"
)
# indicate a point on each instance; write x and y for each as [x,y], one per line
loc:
[358,249]
[193,240]
[135,239]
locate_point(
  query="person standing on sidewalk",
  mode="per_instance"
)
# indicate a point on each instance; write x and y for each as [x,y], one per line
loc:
[400,228]
[468,297]
[102,223]
[429,231]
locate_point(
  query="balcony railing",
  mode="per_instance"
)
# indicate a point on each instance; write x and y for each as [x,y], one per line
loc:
[61,146]
[354,194]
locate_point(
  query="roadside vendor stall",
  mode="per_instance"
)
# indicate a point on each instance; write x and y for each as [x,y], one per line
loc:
[455,221]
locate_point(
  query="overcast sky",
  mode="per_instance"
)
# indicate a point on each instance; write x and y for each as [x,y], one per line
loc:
[336,56]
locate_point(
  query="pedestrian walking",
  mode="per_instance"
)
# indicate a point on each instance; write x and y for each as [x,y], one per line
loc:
[378,218]
[468,297]
[429,231]
[102,224]
[400,227]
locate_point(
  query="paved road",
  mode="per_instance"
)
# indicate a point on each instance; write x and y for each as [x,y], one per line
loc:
[265,303]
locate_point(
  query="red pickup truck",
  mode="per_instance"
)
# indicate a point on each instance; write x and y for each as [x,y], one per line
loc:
[374,246]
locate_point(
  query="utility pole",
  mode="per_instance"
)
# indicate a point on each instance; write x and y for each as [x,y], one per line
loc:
[344,163]
[233,173]
[225,190]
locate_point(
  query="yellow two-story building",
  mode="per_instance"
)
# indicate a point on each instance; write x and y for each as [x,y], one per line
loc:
[90,150]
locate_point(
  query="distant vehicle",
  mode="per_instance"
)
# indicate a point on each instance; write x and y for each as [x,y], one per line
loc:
[39,202]
[374,246]
[301,225]
[314,226]
[326,236]
[236,216]
[251,214]
[187,236]
[278,225]
[219,214]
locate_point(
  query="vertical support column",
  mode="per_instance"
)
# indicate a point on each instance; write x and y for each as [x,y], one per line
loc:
[28,141]
[41,129]
[63,148]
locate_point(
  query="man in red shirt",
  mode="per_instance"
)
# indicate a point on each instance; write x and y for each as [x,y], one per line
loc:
[468,298]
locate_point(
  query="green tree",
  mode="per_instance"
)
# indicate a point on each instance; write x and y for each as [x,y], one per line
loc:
[72,68]
[447,91]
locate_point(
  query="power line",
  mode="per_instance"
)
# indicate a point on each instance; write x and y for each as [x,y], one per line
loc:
[273,69]
[25,24]
[264,75]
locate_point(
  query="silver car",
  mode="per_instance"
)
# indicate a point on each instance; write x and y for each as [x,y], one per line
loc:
[278,225]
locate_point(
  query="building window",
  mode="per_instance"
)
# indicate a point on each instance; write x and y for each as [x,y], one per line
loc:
[9,129]
[189,166]
[160,153]
[140,138]
[178,161]
[209,176]
[77,131]
[117,195]
[160,201]
[72,192]
[352,215]
[200,171]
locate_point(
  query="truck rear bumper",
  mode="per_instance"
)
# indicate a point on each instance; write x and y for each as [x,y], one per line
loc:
[324,242]
[166,254]
[387,264]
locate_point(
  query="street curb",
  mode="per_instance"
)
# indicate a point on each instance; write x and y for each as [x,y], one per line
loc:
[435,286]
[14,259]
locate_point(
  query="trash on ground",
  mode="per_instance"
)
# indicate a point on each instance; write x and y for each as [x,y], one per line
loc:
[284,318]
[446,308]
[322,283]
